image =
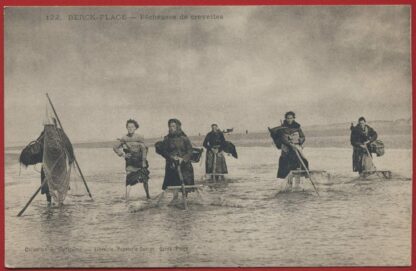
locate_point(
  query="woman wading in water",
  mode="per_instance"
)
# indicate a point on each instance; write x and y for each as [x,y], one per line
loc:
[134,151]
[176,148]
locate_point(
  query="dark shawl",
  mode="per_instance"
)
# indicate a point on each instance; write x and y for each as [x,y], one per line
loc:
[217,139]
[281,134]
[214,139]
[359,136]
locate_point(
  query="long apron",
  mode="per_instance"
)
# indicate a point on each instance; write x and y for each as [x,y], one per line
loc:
[220,163]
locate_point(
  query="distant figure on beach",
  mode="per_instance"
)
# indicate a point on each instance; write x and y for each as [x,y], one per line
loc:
[176,148]
[215,160]
[362,135]
[289,138]
[132,147]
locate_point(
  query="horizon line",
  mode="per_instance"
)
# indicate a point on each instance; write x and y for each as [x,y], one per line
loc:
[17,143]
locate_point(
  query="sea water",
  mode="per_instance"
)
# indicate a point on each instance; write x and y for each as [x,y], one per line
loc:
[248,221]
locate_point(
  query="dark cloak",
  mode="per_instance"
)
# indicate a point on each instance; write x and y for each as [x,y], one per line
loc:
[176,144]
[288,160]
[358,137]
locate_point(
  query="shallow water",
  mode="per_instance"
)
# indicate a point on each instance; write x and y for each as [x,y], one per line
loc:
[249,221]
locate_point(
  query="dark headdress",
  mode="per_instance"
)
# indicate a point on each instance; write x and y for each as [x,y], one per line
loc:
[178,122]
[178,126]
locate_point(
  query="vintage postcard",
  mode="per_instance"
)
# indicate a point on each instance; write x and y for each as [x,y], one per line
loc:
[208,136]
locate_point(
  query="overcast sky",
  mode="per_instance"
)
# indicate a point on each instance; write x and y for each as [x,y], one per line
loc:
[329,64]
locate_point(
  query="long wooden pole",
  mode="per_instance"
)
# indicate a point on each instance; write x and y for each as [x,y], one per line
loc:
[31,199]
[214,167]
[75,159]
[306,169]
[185,203]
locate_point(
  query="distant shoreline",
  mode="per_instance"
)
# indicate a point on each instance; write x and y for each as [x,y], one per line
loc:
[395,134]
[390,141]
[11,157]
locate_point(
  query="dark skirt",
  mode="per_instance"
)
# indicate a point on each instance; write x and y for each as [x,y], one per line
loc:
[361,161]
[172,176]
[220,165]
[289,161]
[138,176]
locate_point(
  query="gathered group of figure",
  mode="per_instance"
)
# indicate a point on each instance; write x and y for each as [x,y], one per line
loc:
[179,153]
[290,138]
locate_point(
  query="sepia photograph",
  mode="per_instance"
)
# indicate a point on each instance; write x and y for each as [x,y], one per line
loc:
[207,136]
